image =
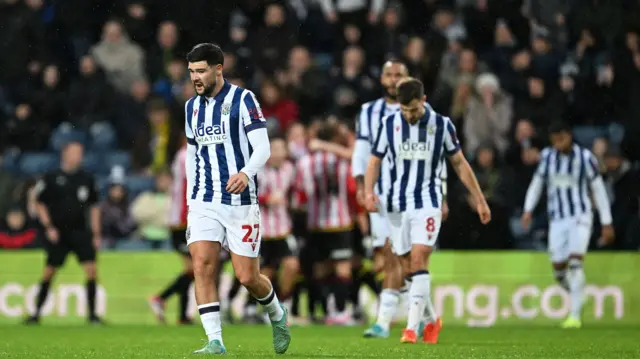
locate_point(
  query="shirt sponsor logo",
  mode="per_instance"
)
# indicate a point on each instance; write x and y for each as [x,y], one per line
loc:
[210,135]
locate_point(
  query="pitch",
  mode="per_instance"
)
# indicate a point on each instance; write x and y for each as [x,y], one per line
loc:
[112,342]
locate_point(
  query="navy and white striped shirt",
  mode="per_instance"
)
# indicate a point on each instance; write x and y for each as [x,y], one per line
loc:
[567,177]
[417,154]
[217,131]
[371,116]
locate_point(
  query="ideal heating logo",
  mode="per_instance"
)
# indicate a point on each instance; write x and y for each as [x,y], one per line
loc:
[209,135]
[413,150]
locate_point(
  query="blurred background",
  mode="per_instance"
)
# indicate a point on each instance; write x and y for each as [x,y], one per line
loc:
[112,75]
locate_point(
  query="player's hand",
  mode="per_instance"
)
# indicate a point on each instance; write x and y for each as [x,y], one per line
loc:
[484,212]
[237,183]
[445,210]
[97,241]
[607,235]
[526,220]
[52,235]
[371,202]
[360,197]
[315,145]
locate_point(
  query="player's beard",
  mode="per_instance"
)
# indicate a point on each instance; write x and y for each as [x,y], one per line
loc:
[390,94]
[208,90]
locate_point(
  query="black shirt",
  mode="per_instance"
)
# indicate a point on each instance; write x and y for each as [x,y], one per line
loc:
[68,198]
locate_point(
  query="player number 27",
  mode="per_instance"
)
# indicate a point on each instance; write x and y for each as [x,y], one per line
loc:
[249,230]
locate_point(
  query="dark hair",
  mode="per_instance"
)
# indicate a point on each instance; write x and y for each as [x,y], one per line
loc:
[558,127]
[410,90]
[327,131]
[211,53]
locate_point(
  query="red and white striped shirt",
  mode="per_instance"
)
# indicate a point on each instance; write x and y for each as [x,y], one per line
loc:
[178,210]
[325,184]
[275,220]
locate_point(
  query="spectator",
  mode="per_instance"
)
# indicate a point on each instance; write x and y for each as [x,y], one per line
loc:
[117,221]
[51,98]
[89,98]
[151,212]
[163,52]
[151,149]
[130,114]
[121,59]
[274,40]
[352,85]
[25,130]
[622,186]
[136,22]
[277,107]
[17,230]
[489,116]
[8,185]
[541,106]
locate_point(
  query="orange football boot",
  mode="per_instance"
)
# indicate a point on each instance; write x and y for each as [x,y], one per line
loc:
[431,332]
[409,336]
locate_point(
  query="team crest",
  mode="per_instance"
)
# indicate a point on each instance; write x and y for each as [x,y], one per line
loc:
[226,108]
[432,130]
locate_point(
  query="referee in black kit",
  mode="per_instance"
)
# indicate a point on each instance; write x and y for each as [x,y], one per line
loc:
[67,207]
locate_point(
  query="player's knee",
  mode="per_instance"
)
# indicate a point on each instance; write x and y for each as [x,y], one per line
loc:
[90,270]
[419,257]
[202,266]
[379,262]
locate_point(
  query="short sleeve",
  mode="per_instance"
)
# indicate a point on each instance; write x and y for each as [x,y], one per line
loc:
[451,142]
[381,142]
[251,113]
[43,190]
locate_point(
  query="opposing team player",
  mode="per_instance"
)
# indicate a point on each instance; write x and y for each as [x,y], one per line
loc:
[568,171]
[370,119]
[324,183]
[227,146]
[279,248]
[178,223]
[415,139]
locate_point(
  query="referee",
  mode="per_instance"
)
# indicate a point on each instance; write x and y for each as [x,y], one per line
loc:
[67,207]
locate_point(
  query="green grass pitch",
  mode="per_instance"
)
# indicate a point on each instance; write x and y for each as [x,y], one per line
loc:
[113,342]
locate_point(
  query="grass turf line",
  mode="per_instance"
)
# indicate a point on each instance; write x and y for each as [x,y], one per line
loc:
[316,342]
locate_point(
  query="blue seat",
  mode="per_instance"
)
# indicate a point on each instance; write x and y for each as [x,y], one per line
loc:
[118,158]
[102,137]
[36,163]
[64,134]
[10,162]
[139,184]
[92,162]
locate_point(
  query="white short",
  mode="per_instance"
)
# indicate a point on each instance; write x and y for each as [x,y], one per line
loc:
[569,236]
[420,226]
[237,228]
[379,225]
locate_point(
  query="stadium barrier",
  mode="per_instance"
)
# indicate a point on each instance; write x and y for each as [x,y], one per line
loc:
[470,288]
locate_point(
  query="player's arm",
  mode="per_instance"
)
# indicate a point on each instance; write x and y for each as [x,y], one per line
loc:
[255,127]
[444,175]
[600,197]
[362,149]
[464,171]
[535,189]
[95,214]
[43,195]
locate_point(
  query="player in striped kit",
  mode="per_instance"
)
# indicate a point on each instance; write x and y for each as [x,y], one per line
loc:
[324,183]
[415,139]
[227,146]
[178,223]
[568,171]
[370,119]
[279,249]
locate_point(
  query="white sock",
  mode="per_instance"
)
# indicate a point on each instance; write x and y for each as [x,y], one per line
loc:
[210,317]
[272,305]
[418,294]
[430,315]
[576,280]
[561,277]
[389,299]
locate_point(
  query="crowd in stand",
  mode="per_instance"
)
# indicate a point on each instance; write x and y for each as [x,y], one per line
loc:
[112,74]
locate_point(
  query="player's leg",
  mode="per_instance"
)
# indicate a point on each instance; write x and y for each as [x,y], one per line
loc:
[424,226]
[244,245]
[56,255]
[340,255]
[183,291]
[289,266]
[578,244]
[558,251]
[205,236]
